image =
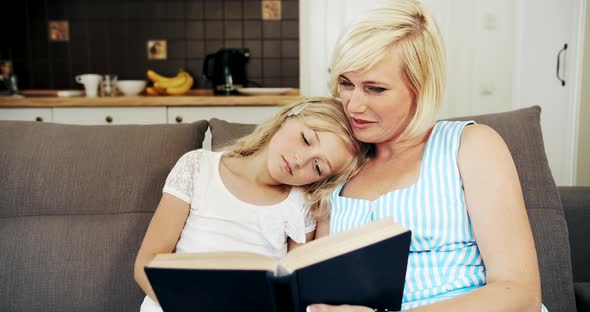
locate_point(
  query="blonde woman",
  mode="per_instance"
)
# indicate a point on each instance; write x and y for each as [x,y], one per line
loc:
[454,184]
[261,194]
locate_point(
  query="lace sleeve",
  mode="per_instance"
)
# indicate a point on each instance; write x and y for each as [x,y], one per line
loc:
[181,179]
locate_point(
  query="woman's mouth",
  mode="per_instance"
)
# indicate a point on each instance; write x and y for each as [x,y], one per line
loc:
[287,166]
[360,123]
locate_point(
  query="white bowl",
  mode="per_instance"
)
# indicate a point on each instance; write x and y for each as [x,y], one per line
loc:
[131,87]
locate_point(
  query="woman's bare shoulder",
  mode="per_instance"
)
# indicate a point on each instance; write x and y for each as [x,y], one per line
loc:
[478,136]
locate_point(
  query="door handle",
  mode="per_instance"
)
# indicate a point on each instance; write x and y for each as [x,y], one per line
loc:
[558,64]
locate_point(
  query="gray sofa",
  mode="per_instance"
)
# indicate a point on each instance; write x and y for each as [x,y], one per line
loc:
[75,202]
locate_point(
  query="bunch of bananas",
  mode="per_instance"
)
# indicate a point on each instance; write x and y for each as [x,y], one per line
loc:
[177,85]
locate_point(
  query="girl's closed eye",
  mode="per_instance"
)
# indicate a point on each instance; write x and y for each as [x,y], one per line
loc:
[304,139]
[317,167]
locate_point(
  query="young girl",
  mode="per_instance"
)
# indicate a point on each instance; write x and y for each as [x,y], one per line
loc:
[261,194]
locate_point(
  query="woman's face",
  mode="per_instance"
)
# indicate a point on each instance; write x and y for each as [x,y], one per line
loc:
[378,101]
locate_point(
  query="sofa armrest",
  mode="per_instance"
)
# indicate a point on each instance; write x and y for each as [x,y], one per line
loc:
[576,207]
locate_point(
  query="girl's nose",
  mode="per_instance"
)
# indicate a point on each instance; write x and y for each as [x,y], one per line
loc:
[301,159]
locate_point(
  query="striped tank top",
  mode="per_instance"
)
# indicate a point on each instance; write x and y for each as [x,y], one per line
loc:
[444,260]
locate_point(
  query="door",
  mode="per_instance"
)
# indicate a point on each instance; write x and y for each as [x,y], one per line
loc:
[548,74]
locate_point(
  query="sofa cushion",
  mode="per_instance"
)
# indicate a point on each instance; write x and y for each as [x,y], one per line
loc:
[75,202]
[224,132]
[93,169]
[521,130]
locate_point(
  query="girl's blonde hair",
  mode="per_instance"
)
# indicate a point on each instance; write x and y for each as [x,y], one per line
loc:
[320,114]
[408,25]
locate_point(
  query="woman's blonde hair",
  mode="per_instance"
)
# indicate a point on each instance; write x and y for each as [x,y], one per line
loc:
[320,114]
[408,25]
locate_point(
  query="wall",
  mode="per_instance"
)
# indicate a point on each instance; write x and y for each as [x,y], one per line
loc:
[111,37]
[583,157]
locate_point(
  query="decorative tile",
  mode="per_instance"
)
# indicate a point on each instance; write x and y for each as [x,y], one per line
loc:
[271,10]
[157,50]
[59,31]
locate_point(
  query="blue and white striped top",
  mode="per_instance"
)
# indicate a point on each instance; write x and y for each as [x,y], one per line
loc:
[444,260]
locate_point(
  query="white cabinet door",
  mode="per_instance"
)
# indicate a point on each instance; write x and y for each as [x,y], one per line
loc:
[543,28]
[109,115]
[26,114]
[243,114]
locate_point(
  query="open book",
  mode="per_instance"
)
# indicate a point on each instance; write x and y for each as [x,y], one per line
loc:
[365,266]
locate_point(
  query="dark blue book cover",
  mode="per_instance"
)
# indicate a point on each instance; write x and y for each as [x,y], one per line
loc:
[372,275]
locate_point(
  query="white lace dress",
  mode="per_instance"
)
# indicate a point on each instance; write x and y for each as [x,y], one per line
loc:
[218,221]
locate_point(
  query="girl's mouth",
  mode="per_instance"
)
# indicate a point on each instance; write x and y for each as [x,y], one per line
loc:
[287,166]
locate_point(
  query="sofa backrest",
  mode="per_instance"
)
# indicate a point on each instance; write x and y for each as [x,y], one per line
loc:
[75,202]
[521,130]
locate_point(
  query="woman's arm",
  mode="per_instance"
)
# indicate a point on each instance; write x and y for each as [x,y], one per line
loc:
[161,236]
[500,226]
[323,228]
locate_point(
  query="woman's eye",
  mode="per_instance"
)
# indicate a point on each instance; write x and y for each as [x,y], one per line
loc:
[376,89]
[304,139]
[346,84]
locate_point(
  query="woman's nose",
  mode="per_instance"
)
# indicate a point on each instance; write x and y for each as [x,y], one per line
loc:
[356,102]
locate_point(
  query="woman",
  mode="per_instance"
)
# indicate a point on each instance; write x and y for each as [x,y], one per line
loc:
[454,184]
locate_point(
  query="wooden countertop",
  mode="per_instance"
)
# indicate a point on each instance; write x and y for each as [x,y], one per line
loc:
[198,97]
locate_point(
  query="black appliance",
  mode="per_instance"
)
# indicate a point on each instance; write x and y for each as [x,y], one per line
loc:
[226,70]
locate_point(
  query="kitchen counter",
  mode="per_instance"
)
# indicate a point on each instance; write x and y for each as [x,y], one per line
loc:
[198,97]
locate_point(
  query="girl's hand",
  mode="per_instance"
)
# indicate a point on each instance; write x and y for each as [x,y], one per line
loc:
[340,308]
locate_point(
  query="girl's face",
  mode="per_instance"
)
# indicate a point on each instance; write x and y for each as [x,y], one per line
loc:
[298,155]
[378,101]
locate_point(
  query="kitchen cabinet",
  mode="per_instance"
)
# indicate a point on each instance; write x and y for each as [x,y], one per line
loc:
[109,115]
[27,114]
[146,110]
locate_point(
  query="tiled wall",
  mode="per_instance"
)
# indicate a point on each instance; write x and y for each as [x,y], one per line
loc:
[110,36]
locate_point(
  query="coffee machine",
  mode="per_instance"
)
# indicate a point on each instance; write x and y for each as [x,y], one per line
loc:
[226,70]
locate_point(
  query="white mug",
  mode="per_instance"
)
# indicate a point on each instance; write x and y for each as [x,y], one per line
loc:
[90,82]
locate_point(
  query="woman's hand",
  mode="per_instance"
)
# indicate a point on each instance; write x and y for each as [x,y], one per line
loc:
[340,308]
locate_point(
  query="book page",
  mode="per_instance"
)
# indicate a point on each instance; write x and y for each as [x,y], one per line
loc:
[330,246]
[214,261]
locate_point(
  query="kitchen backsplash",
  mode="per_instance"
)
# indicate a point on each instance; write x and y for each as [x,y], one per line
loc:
[111,36]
